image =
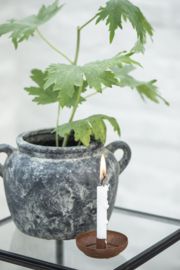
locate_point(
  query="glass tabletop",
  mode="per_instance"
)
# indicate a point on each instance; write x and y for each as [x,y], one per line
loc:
[142,233]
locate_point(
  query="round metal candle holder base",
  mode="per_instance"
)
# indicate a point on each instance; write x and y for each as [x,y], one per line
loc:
[116,243]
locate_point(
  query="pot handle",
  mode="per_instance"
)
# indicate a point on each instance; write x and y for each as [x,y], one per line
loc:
[112,147]
[5,148]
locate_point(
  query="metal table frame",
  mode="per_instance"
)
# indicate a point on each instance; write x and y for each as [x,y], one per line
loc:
[134,263]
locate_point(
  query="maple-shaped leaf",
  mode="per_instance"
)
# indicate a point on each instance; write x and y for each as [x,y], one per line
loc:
[65,77]
[93,125]
[49,96]
[116,9]
[139,47]
[72,101]
[41,97]
[145,89]
[22,29]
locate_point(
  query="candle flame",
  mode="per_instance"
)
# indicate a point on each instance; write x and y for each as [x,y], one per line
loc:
[102,168]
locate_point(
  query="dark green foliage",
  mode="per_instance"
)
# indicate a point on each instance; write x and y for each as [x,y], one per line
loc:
[93,125]
[22,29]
[145,89]
[115,10]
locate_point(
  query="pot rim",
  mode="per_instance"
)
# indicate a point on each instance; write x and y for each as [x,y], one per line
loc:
[25,146]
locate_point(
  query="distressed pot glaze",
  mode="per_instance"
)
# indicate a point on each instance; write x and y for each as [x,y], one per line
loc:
[51,191]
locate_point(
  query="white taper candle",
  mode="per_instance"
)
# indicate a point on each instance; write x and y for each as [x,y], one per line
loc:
[102,206]
[102,202]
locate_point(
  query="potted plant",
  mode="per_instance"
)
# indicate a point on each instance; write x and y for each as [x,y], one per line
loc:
[51,178]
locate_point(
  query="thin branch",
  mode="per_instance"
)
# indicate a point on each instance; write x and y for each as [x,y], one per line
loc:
[80,28]
[57,124]
[72,115]
[94,93]
[77,102]
[79,143]
[77,46]
[73,63]
[53,46]
[78,38]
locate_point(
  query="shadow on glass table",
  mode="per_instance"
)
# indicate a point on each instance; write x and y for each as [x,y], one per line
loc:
[148,236]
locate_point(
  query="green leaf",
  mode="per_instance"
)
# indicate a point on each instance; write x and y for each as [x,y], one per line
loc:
[72,101]
[93,125]
[138,47]
[116,9]
[124,17]
[65,77]
[42,97]
[145,89]
[49,95]
[22,29]
[149,90]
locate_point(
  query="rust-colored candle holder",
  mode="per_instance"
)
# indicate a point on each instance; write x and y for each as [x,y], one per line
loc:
[116,243]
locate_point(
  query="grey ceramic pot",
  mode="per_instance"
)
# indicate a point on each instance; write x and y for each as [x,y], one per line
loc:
[51,191]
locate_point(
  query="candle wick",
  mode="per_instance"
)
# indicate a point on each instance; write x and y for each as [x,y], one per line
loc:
[102,180]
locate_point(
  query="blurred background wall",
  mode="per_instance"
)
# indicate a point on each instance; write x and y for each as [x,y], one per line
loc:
[151,182]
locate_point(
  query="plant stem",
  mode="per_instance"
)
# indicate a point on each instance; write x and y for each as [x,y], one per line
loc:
[53,46]
[76,105]
[57,123]
[77,46]
[91,95]
[79,143]
[78,38]
[66,137]
[94,93]
[80,28]
[72,116]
